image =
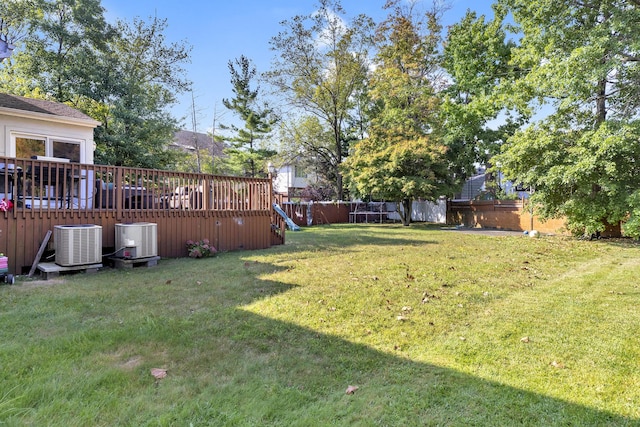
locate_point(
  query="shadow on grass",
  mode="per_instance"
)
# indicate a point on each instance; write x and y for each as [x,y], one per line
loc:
[230,366]
[303,375]
[298,376]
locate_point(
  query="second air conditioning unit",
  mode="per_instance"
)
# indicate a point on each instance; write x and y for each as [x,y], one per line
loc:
[77,244]
[137,240]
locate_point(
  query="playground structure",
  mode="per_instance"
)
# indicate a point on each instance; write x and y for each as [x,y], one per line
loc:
[292,225]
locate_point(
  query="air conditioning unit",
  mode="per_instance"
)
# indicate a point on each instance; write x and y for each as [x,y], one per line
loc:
[137,240]
[77,244]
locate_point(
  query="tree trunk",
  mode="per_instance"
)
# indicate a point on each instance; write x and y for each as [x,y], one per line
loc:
[601,103]
[339,186]
[404,210]
[338,157]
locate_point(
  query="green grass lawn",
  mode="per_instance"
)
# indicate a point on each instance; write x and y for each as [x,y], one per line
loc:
[433,327]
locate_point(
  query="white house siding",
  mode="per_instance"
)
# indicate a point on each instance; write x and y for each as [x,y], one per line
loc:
[12,126]
[286,179]
[40,119]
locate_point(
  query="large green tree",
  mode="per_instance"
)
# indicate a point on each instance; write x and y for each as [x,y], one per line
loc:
[135,79]
[404,157]
[320,68]
[124,75]
[476,56]
[68,36]
[248,151]
[583,158]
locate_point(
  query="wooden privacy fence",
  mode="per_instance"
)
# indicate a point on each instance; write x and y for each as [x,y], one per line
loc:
[510,215]
[499,214]
[317,213]
[232,212]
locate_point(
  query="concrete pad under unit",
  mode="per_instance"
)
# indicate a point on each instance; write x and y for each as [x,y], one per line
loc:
[49,269]
[131,262]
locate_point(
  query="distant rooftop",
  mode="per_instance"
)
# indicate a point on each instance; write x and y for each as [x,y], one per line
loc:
[190,141]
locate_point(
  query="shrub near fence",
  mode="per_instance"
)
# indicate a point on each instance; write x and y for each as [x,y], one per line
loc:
[232,212]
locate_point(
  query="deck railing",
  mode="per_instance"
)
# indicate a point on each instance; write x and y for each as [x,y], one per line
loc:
[36,185]
[40,193]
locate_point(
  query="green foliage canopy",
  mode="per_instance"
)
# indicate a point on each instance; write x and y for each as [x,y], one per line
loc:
[476,56]
[248,152]
[136,78]
[320,68]
[68,36]
[581,61]
[403,158]
[123,75]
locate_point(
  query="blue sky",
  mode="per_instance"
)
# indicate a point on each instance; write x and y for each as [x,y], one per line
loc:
[222,30]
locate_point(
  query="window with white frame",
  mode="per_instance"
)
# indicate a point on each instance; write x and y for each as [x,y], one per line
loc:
[28,146]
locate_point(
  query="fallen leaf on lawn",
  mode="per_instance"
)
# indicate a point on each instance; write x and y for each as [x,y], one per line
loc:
[524,339]
[406,308]
[158,373]
[558,365]
[352,389]
[198,282]
[401,318]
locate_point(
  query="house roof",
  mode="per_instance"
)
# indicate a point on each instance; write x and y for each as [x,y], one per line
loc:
[21,106]
[189,141]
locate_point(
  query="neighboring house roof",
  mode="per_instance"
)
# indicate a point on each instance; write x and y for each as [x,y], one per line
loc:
[472,187]
[189,141]
[47,110]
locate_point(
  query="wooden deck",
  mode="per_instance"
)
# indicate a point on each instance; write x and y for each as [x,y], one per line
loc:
[233,213]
